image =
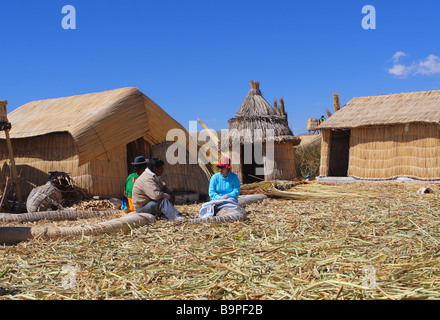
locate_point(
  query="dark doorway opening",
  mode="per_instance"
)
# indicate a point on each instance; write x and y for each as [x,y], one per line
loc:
[339,153]
[248,154]
[139,147]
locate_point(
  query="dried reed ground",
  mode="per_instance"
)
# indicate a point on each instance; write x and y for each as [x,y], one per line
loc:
[286,250]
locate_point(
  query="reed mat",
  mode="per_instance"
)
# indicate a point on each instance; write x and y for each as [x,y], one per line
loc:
[367,241]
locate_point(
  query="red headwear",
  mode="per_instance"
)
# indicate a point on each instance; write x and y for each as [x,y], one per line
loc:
[225,162]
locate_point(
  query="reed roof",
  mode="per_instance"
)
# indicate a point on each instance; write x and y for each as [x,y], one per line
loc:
[402,108]
[98,122]
[256,113]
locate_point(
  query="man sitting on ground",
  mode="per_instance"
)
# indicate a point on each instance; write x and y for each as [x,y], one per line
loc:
[151,195]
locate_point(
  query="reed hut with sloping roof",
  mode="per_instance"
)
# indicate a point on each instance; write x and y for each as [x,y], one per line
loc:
[384,137]
[94,138]
[257,125]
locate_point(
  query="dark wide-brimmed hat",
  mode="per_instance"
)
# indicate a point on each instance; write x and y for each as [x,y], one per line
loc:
[140,160]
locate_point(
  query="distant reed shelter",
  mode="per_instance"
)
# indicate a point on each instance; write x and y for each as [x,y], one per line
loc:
[94,138]
[384,137]
[256,114]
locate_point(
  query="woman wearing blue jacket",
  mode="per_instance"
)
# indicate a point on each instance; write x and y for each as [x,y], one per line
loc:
[224,184]
[224,189]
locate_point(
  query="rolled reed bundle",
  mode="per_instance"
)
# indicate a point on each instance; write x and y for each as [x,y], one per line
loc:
[11,235]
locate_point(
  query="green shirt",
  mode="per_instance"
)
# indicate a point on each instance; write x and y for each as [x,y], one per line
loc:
[129,184]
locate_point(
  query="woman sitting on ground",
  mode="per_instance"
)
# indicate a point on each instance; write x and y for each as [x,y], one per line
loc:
[224,189]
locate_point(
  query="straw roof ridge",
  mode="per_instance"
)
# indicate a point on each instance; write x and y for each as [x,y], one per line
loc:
[254,104]
[256,113]
[387,109]
[39,117]
[98,122]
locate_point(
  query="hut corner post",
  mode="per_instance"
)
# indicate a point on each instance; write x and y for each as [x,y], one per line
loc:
[5,126]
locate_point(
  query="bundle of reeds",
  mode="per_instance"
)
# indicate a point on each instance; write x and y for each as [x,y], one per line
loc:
[299,190]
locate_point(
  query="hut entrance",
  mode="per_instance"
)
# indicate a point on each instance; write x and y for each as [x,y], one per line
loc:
[248,152]
[139,147]
[339,153]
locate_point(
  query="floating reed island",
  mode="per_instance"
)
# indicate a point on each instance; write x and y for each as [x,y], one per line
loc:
[379,241]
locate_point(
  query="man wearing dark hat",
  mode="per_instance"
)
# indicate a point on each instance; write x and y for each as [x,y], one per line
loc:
[151,195]
[139,166]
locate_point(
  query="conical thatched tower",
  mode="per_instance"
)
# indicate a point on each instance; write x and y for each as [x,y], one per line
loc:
[258,123]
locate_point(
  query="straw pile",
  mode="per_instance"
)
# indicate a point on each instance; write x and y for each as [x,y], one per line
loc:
[345,247]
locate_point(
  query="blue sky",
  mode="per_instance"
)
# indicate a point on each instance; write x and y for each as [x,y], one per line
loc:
[195,58]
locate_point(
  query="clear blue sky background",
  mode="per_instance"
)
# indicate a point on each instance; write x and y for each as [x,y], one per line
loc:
[195,58]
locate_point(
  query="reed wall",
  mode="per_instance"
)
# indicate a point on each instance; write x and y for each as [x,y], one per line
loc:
[284,162]
[387,152]
[106,174]
[35,157]
[325,147]
[182,177]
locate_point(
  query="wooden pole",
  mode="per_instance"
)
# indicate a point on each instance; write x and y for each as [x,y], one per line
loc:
[4,193]
[15,179]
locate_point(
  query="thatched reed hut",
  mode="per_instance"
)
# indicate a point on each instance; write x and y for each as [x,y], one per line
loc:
[258,123]
[384,137]
[94,138]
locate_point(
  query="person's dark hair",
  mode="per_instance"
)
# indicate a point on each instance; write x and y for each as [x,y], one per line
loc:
[138,167]
[155,163]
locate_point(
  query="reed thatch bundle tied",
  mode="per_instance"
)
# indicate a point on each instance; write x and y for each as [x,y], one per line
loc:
[44,198]
[3,111]
[12,235]
[256,113]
